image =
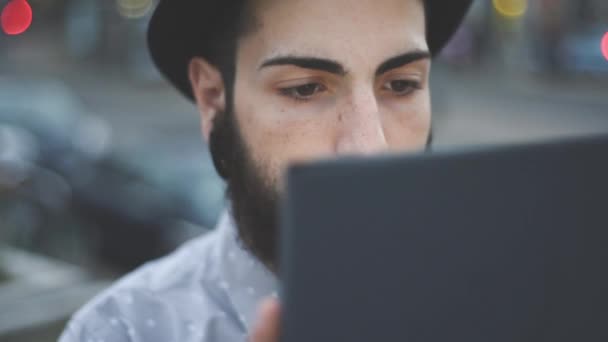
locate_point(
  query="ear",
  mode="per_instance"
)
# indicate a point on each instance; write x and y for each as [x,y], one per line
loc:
[209,92]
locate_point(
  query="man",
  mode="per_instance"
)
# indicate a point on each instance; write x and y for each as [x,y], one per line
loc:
[275,82]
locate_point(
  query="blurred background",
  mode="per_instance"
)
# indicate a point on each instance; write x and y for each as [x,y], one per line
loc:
[101,162]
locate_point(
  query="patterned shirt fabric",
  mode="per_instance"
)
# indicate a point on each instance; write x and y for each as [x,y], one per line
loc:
[206,291]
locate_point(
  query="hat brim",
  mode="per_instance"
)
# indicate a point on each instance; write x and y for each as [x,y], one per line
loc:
[177,32]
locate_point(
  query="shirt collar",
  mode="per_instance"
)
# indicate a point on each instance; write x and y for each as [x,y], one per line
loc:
[245,280]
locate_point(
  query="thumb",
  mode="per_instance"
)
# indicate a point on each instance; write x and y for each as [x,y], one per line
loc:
[268,322]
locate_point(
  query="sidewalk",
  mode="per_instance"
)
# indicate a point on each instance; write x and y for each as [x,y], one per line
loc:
[494,107]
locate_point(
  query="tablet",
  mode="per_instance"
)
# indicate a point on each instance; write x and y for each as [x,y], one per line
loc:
[492,244]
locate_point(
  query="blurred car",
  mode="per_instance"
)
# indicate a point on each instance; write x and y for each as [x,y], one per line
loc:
[70,195]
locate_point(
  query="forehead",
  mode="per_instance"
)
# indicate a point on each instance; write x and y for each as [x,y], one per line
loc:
[337,29]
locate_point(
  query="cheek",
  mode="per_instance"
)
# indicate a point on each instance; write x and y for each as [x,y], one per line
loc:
[277,137]
[408,125]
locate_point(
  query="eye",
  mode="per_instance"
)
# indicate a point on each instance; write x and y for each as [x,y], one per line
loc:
[303,92]
[402,87]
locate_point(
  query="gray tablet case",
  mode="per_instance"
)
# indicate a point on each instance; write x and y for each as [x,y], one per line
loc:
[504,244]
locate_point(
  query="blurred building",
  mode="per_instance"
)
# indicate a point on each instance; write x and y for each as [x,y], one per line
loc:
[550,37]
[566,35]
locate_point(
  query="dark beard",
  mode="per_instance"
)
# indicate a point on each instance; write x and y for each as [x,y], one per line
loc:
[254,199]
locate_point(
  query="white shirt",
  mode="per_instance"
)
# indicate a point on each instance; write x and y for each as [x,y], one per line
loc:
[208,290]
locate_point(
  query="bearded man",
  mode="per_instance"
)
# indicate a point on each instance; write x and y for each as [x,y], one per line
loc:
[275,82]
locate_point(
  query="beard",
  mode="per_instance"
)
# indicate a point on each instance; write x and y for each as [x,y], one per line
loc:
[253,196]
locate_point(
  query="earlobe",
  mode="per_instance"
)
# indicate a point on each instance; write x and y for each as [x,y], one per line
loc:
[208,90]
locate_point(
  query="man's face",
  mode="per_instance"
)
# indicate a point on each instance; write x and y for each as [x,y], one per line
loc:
[318,79]
[312,81]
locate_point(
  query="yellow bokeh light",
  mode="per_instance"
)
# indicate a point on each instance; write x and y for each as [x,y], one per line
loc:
[511,8]
[134,8]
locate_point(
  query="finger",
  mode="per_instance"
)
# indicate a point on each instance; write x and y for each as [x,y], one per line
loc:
[267,327]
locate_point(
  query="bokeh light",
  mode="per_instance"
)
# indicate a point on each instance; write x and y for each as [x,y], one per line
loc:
[511,8]
[133,9]
[605,46]
[16,17]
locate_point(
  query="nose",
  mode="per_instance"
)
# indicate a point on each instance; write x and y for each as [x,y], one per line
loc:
[360,126]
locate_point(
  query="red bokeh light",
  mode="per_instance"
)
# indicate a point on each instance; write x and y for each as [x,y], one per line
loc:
[605,46]
[16,17]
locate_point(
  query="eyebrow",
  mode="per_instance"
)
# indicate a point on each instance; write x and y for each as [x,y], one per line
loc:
[314,63]
[402,60]
[336,68]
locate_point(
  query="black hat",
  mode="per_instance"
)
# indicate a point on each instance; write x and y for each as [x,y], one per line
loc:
[182,29]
